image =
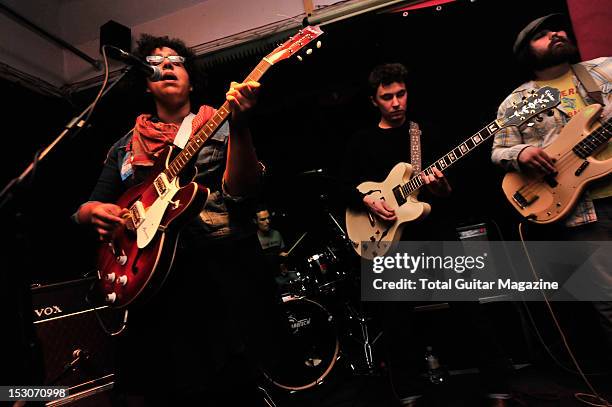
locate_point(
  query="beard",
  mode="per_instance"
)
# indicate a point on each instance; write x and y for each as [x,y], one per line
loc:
[556,55]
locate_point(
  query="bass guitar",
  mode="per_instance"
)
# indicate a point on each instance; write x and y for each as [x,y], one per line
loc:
[549,198]
[135,264]
[372,236]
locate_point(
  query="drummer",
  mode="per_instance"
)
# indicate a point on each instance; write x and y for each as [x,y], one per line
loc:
[271,240]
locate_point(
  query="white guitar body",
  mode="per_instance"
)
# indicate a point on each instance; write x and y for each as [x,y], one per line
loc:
[371,235]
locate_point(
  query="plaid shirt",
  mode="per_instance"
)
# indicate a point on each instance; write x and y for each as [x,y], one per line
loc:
[509,142]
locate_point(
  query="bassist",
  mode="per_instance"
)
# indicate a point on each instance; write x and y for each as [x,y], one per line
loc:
[548,55]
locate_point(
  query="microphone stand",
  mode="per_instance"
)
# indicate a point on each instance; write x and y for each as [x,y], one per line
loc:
[16,285]
[75,125]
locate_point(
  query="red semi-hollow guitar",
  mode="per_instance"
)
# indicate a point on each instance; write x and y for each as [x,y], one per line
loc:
[135,264]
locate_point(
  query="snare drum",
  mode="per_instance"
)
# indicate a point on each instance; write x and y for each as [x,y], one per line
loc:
[311,346]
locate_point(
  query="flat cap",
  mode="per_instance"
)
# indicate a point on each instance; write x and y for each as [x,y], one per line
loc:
[554,20]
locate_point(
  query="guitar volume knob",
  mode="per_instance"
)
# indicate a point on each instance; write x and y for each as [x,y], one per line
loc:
[110,277]
[123,280]
[111,297]
[122,259]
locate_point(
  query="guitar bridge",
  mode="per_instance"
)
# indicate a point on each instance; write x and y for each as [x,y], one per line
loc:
[522,201]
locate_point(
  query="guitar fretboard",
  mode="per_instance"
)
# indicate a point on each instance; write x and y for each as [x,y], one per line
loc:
[451,157]
[210,128]
[593,141]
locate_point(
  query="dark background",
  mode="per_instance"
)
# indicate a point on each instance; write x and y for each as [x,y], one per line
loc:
[461,68]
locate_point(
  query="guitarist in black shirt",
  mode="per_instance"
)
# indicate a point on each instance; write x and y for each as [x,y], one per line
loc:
[371,154]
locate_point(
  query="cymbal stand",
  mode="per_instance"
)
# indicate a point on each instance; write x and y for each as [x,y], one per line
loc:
[269,402]
[364,340]
[341,233]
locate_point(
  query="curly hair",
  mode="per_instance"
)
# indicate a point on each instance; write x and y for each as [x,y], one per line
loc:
[386,74]
[147,43]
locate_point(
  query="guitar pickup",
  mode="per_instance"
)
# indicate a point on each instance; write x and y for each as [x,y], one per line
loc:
[581,168]
[550,179]
[399,197]
[522,201]
[138,214]
[161,184]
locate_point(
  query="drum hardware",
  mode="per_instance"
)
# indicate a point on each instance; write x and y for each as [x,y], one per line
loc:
[364,340]
[312,346]
[318,315]
[339,231]
[269,402]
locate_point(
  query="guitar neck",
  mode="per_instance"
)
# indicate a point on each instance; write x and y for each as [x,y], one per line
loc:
[452,156]
[196,142]
[595,140]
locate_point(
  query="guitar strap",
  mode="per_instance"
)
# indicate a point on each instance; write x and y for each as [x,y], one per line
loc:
[589,84]
[415,147]
[184,132]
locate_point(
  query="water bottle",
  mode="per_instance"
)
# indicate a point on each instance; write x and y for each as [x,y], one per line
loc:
[435,372]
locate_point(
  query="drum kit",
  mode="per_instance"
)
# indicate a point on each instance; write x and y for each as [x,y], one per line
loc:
[323,315]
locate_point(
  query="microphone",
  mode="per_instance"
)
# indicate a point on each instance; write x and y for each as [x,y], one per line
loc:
[153,73]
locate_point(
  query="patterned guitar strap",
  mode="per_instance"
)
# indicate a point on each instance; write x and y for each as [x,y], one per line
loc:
[415,148]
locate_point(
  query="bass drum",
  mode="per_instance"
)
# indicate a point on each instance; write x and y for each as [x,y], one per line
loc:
[310,348]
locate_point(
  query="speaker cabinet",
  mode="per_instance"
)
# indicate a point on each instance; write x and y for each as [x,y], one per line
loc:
[117,35]
[74,336]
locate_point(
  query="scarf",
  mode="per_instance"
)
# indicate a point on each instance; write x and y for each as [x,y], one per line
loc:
[151,136]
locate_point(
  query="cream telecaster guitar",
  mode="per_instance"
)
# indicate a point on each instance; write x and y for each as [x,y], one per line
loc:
[547,199]
[372,236]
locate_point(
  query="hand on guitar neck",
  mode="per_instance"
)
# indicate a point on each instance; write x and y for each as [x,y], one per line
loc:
[436,183]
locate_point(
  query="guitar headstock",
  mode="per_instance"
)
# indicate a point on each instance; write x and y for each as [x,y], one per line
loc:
[294,44]
[537,102]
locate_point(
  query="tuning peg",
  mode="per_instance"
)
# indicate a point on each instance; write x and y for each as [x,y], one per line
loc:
[319,44]
[309,51]
[299,57]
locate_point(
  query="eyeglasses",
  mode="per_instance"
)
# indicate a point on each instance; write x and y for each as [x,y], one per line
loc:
[158,59]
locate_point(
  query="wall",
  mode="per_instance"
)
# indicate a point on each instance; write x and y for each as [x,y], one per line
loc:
[78,22]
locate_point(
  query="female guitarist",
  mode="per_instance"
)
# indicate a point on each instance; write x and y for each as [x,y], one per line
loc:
[187,342]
